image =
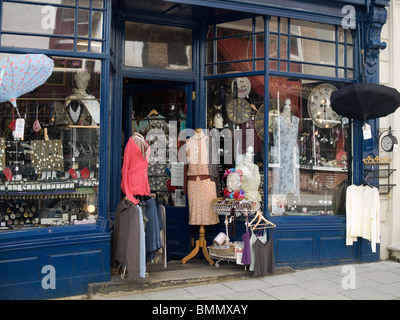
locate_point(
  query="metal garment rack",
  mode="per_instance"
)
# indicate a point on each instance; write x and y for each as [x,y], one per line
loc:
[379,168]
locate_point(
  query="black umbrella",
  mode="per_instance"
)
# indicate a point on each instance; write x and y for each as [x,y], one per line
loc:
[365,101]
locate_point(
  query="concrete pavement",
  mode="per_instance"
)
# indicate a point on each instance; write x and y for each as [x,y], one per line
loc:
[367,281]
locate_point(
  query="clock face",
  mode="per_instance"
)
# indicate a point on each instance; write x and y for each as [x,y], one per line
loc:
[388,142]
[238,110]
[260,122]
[319,106]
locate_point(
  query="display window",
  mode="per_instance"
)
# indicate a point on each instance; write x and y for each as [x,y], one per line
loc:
[234,117]
[308,145]
[49,172]
[309,149]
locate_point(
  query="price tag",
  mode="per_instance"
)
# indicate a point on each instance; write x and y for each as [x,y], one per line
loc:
[367,131]
[19,128]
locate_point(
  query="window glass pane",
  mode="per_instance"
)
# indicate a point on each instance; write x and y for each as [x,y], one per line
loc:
[83,23]
[159,47]
[8,40]
[64,2]
[96,46]
[273,24]
[312,29]
[239,27]
[210,52]
[284,25]
[97,24]
[98,4]
[308,149]
[313,51]
[350,55]
[235,49]
[82,45]
[239,66]
[259,46]
[232,110]
[313,69]
[52,174]
[84,3]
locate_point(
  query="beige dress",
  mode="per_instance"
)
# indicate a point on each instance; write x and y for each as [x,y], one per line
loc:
[201,192]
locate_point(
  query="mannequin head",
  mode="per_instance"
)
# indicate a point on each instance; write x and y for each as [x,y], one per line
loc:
[233,181]
[82,80]
[287,108]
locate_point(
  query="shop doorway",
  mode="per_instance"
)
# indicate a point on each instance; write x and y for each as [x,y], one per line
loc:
[160,110]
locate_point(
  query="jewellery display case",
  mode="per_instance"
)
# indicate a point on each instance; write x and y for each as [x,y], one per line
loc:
[50,177]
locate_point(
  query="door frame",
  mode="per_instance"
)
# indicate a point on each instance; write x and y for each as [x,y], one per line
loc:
[179,231]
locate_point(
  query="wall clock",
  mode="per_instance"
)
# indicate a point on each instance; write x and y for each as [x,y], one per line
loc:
[388,142]
[238,110]
[319,106]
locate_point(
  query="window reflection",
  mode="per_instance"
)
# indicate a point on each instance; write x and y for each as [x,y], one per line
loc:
[158,47]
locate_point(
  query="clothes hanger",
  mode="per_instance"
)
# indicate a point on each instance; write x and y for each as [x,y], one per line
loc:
[153,112]
[261,222]
[365,183]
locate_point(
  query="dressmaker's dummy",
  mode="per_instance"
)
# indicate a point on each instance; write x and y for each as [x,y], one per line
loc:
[285,129]
[80,96]
[218,120]
[251,177]
[201,187]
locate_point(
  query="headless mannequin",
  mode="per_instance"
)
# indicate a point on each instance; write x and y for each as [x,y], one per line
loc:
[201,242]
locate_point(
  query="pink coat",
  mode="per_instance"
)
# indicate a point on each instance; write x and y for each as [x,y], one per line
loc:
[135,180]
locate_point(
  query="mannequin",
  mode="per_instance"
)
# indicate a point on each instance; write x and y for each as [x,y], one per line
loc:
[285,129]
[218,120]
[233,181]
[79,94]
[251,177]
[201,188]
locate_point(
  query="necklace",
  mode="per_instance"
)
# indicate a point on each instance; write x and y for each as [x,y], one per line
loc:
[76,114]
[87,153]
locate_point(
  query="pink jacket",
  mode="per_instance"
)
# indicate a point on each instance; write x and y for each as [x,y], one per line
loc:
[135,179]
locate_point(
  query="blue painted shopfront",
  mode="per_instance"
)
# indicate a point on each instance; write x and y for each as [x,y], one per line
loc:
[81,254]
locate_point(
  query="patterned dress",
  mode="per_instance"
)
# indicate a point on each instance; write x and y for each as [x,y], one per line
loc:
[201,193]
[285,137]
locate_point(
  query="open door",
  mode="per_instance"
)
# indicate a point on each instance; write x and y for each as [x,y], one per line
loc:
[159,111]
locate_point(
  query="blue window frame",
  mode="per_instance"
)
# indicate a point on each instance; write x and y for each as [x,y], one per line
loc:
[295,46]
[75,25]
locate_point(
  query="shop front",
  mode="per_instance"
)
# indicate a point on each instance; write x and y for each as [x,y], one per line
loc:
[257,76]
